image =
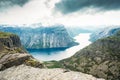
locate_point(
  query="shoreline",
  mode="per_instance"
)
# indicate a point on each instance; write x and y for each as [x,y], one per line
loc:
[44,55]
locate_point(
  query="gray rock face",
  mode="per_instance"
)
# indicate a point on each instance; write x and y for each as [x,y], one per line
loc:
[10,60]
[11,41]
[23,72]
[1,46]
[16,41]
[50,37]
[42,37]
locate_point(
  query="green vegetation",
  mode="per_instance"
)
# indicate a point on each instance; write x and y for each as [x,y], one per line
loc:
[111,38]
[34,63]
[53,64]
[5,35]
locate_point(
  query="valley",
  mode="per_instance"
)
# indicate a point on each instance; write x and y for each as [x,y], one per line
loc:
[61,53]
[99,58]
[59,40]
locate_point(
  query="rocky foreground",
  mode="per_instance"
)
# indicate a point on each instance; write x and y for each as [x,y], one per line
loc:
[24,72]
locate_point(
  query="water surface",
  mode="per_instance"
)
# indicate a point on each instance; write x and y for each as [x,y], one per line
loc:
[61,53]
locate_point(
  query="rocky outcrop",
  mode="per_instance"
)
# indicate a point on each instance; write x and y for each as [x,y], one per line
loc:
[42,37]
[23,72]
[13,54]
[101,59]
[1,47]
[10,40]
[10,60]
[10,44]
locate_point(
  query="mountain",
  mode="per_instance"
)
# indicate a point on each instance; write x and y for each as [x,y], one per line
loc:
[101,59]
[105,32]
[12,53]
[41,37]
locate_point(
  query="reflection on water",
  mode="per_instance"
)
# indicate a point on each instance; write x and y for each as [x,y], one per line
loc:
[46,51]
[61,53]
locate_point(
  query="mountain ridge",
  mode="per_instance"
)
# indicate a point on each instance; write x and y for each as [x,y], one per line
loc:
[105,32]
[42,37]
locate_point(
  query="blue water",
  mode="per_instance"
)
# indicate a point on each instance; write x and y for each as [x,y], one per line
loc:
[46,51]
[61,53]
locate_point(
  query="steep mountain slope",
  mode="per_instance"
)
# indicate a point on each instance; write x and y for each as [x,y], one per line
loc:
[12,53]
[105,32]
[101,59]
[42,37]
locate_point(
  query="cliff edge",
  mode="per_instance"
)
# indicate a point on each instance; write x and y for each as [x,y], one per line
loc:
[12,53]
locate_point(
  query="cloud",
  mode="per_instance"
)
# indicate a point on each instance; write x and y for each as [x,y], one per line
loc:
[42,11]
[69,6]
[35,11]
[6,4]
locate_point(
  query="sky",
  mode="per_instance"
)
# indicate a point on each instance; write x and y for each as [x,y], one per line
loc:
[81,13]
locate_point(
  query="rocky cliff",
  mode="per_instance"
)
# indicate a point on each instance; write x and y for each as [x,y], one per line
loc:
[12,53]
[50,37]
[101,59]
[10,40]
[42,37]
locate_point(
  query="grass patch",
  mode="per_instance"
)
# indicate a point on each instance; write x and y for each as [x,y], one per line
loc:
[53,64]
[5,34]
[33,63]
